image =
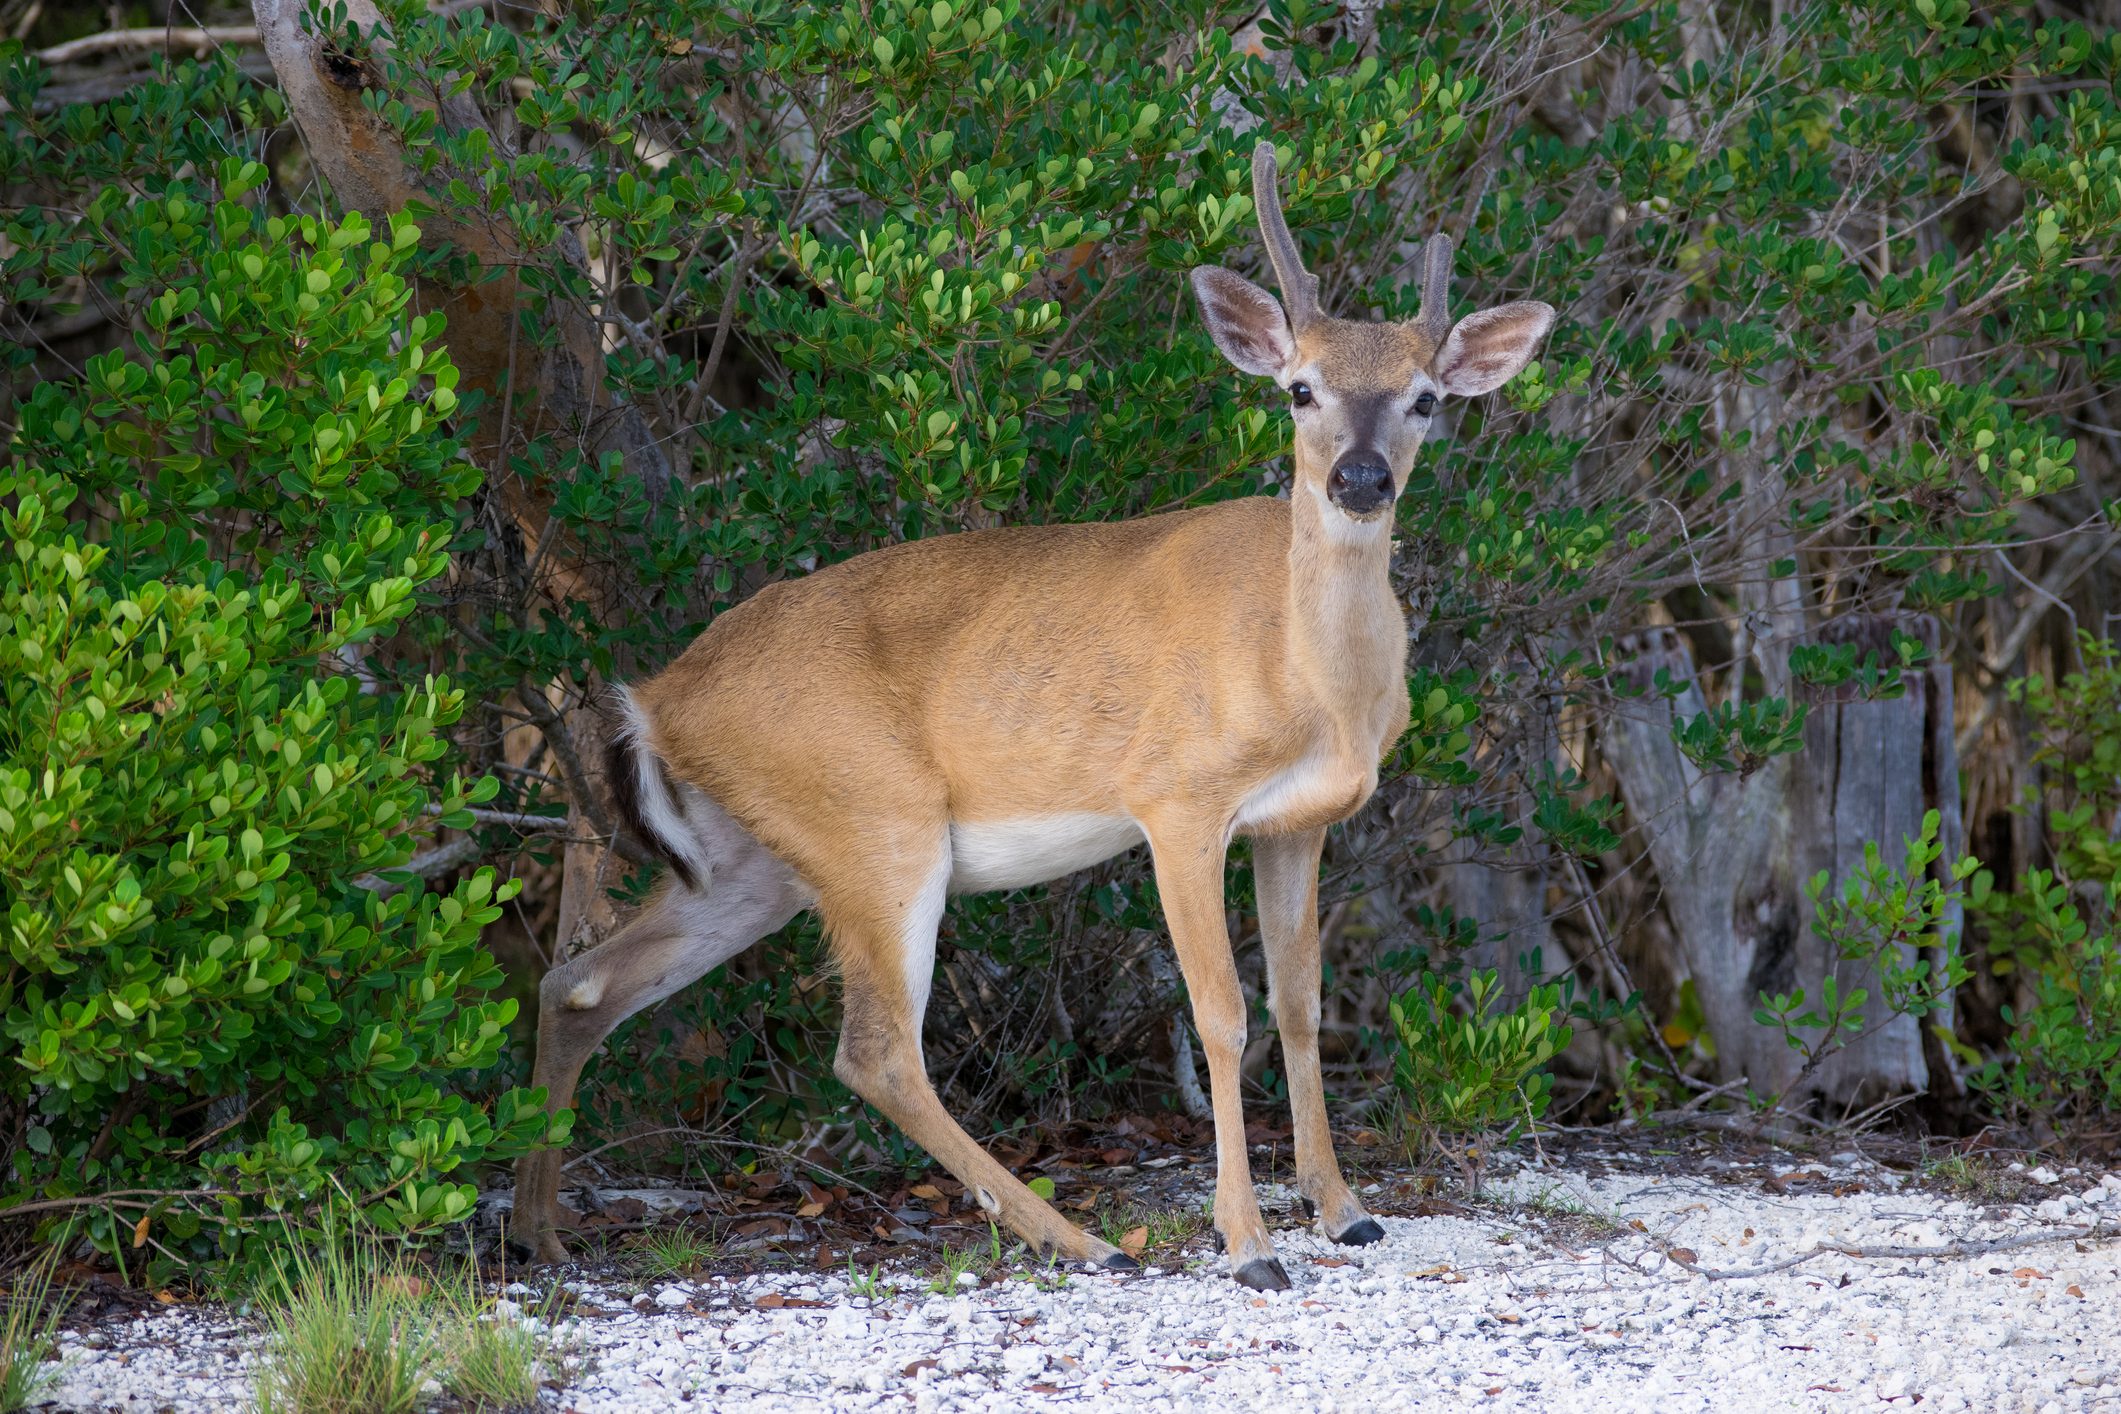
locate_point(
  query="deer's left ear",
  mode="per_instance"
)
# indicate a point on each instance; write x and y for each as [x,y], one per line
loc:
[1487,349]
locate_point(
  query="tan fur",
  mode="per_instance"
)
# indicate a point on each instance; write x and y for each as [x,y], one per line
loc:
[1234,669]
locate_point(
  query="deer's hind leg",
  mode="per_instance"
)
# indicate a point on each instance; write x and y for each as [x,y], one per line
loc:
[882,916]
[677,937]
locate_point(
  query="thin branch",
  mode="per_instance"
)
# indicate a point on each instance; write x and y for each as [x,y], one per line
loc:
[2099,1233]
[126,41]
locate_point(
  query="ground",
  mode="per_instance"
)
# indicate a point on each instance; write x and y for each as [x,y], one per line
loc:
[1621,1274]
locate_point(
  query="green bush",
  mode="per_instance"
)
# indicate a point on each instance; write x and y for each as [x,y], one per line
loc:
[1470,1070]
[2055,934]
[214,1014]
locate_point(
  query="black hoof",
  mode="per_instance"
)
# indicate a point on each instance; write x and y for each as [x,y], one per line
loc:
[1119,1262]
[1217,1235]
[1362,1234]
[520,1252]
[1263,1274]
[1310,1208]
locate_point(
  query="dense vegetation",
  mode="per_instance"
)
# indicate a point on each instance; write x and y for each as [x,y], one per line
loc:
[374,400]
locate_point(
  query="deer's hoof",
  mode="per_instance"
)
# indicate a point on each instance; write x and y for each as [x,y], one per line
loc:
[1263,1274]
[1361,1234]
[1119,1262]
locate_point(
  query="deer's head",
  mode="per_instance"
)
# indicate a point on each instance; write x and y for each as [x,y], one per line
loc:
[1362,394]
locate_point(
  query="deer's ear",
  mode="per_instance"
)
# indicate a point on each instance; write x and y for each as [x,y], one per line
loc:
[1487,349]
[1245,321]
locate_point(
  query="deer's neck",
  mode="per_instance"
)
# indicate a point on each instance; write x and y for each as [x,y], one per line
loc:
[1347,632]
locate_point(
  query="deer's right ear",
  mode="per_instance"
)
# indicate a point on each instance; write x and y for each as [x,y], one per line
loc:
[1245,321]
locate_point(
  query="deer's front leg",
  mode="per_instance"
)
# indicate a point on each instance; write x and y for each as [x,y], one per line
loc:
[1189,875]
[1286,870]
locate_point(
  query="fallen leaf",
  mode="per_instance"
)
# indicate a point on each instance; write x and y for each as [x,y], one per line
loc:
[403,1284]
[166,1298]
[140,1230]
[1637,1224]
[917,1366]
[925,1190]
[1135,1240]
[2030,1274]
[774,1301]
[1258,1301]
[1044,1389]
[1683,1255]
[1326,1262]
[810,1210]
[2075,1290]
[1041,1187]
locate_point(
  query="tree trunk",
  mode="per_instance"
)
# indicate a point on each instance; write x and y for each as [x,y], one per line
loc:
[544,382]
[1733,853]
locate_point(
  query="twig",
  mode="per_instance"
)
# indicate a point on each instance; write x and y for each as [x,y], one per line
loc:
[426,865]
[702,1137]
[1948,1249]
[121,41]
[515,819]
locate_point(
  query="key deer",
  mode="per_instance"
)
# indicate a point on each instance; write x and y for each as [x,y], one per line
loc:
[999,708]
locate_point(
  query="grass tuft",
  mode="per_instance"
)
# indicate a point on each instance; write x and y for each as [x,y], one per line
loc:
[346,1333]
[29,1333]
[671,1251]
[352,1332]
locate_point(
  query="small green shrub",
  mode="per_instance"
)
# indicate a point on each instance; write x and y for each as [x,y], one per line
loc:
[211,1009]
[1898,926]
[2055,933]
[1467,1073]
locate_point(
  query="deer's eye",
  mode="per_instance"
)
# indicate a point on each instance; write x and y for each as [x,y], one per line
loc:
[1425,404]
[1300,394]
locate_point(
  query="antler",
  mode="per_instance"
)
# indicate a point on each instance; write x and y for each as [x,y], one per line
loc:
[1299,287]
[1436,287]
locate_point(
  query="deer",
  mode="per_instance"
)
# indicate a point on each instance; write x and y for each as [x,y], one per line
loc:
[1003,707]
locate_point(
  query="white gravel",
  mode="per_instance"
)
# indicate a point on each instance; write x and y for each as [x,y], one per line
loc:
[1537,1308]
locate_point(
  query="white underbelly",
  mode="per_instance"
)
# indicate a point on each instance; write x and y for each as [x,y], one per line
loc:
[1011,854]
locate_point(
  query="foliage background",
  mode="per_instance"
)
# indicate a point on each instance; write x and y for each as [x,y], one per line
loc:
[740,288]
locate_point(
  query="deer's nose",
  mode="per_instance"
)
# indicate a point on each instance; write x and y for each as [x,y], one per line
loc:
[1360,483]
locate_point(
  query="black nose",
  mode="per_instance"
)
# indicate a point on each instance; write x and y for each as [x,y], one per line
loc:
[1360,485]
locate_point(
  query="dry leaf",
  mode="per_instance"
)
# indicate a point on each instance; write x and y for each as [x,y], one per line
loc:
[140,1230]
[166,1298]
[1682,1254]
[1637,1224]
[774,1301]
[925,1190]
[403,1284]
[2075,1290]
[917,1366]
[2030,1274]
[1133,1243]
[810,1210]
